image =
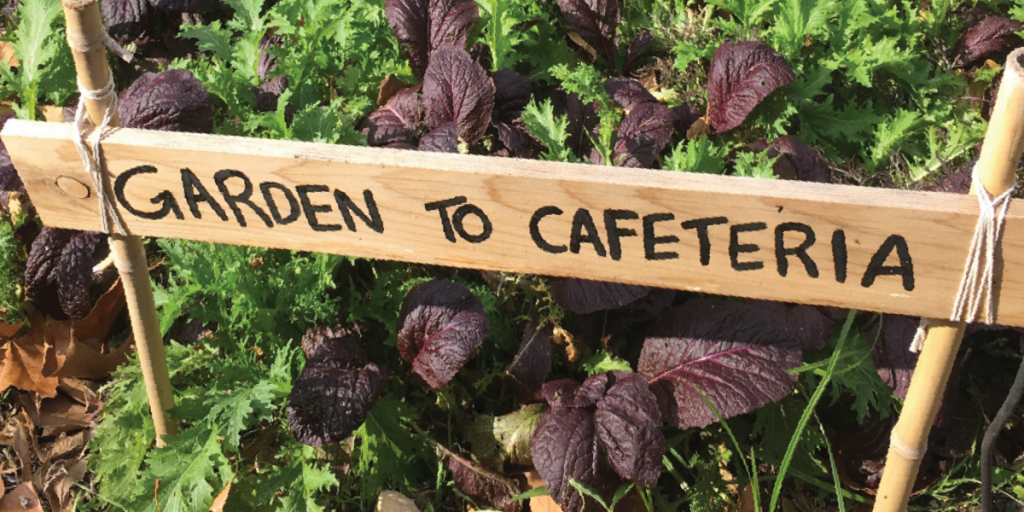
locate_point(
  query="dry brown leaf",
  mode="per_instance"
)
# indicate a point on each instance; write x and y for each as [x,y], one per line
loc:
[84,392]
[23,360]
[540,503]
[7,54]
[53,113]
[65,446]
[23,446]
[388,88]
[8,330]
[22,499]
[60,481]
[62,414]
[221,499]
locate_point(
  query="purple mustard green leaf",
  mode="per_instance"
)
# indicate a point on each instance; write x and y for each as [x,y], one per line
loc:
[596,22]
[642,134]
[993,34]
[488,489]
[684,116]
[742,74]
[640,43]
[736,354]
[511,95]
[267,63]
[532,364]
[334,392]
[58,273]
[517,139]
[890,340]
[627,93]
[583,296]
[268,92]
[456,89]
[450,22]
[443,139]
[127,20]
[565,446]
[583,124]
[409,21]
[397,121]
[629,427]
[799,161]
[441,324]
[571,394]
[171,101]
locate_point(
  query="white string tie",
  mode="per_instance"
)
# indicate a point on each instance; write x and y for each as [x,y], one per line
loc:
[82,46]
[977,286]
[93,157]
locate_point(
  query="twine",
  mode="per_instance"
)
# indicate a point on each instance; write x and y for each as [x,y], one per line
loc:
[83,45]
[93,157]
[977,286]
[901,448]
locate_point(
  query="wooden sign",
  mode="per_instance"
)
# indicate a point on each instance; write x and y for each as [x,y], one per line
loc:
[871,249]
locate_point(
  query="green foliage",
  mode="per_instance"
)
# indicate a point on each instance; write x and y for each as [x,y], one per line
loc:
[586,81]
[501,32]
[387,452]
[549,129]
[257,297]
[697,155]
[335,49]
[44,61]
[13,256]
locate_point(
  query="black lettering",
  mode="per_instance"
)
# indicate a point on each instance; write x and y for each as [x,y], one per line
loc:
[535,230]
[195,192]
[736,248]
[347,208]
[165,197]
[877,267]
[701,225]
[311,209]
[442,208]
[651,241]
[615,233]
[581,220]
[782,252]
[839,254]
[293,205]
[233,200]
[460,215]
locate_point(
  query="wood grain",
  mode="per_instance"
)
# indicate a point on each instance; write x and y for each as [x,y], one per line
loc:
[937,227]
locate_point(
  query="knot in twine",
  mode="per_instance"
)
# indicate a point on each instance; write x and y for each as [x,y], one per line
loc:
[93,156]
[977,286]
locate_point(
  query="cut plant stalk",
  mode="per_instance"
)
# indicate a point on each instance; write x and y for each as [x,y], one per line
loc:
[85,29]
[997,167]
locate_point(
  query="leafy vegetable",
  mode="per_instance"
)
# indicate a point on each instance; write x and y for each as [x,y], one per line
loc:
[585,296]
[59,272]
[737,355]
[334,393]
[457,90]
[596,22]
[990,35]
[127,20]
[610,415]
[532,363]
[742,74]
[441,326]
[170,101]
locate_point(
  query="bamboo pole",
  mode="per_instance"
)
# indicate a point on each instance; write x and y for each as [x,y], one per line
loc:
[997,167]
[85,33]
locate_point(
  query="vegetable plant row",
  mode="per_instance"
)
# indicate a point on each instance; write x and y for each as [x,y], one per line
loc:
[307,381]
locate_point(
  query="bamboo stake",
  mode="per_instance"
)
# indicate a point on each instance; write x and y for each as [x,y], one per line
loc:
[85,31]
[997,165]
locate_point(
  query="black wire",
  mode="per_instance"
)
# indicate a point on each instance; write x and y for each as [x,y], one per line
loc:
[992,433]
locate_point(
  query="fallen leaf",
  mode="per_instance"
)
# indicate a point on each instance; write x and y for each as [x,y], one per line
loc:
[7,54]
[53,113]
[61,479]
[23,359]
[391,501]
[66,445]
[540,503]
[221,499]
[23,442]
[22,499]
